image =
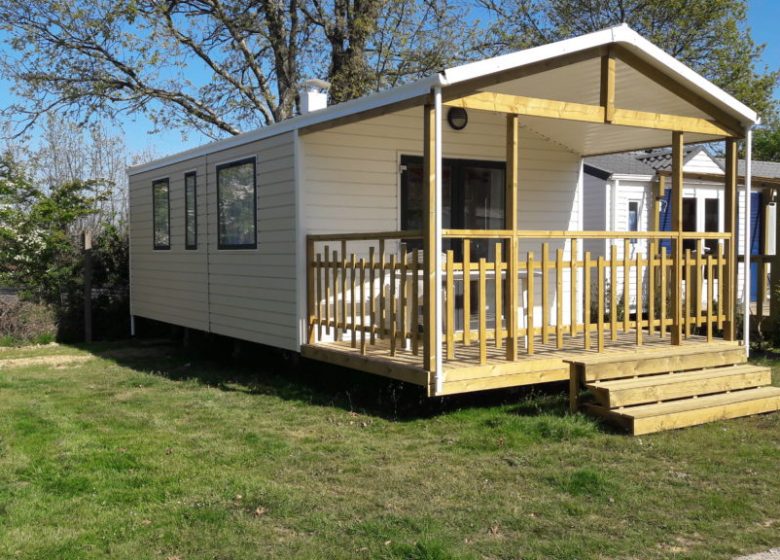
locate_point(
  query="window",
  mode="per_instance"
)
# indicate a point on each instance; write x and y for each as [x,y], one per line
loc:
[633,217]
[191,211]
[161,212]
[237,205]
[711,223]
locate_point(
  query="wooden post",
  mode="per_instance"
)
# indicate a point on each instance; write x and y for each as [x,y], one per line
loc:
[607,89]
[512,175]
[762,287]
[660,193]
[311,332]
[677,223]
[730,227]
[87,286]
[430,300]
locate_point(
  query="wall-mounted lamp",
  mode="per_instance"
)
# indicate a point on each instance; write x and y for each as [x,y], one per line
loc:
[458,118]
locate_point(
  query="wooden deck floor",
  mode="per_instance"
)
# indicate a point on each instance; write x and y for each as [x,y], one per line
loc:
[465,374]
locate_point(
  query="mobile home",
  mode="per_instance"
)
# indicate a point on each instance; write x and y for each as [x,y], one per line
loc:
[434,232]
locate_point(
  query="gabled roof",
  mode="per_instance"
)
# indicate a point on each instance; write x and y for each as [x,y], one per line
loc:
[617,164]
[580,137]
[661,159]
[770,169]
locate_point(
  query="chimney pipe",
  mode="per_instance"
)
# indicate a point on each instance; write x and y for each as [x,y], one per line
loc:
[314,96]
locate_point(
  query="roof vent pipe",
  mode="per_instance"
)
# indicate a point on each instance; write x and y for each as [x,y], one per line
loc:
[314,95]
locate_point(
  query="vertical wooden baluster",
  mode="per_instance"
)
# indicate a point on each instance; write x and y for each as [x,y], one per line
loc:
[587,300]
[352,299]
[371,302]
[651,287]
[482,313]
[699,282]
[363,333]
[402,296]
[319,296]
[662,319]
[334,272]
[382,299]
[559,298]
[573,287]
[613,292]
[688,295]
[638,299]
[719,275]
[310,294]
[391,306]
[326,274]
[415,304]
[709,298]
[529,308]
[499,303]
[343,288]
[545,292]
[600,318]
[466,292]
[450,309]
[760,290]
[626,284]
[512,307]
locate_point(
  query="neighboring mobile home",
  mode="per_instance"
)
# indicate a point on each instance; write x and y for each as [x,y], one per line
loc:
[623,193]
[346,233]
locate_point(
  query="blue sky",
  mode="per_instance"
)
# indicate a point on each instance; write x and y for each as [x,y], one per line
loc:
[763,18]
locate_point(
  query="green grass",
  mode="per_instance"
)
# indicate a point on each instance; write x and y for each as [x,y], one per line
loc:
[153,453]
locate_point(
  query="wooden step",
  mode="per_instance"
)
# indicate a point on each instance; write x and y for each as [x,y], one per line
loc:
[658,360]
[650,418]
[655,388]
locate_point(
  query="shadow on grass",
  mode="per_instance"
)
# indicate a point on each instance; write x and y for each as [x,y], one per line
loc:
[255,369]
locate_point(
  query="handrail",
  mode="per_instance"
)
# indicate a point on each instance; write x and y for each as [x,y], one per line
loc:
[561,234]
[368,236]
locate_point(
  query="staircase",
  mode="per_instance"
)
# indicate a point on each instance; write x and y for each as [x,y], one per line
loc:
[675,387]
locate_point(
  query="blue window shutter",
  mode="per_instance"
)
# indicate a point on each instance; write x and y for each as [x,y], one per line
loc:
[756,224]
[665,219]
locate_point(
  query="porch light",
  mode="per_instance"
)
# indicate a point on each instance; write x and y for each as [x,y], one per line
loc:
[458,118]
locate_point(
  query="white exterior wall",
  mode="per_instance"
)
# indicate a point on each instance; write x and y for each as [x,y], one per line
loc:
[248,294]
[351,176]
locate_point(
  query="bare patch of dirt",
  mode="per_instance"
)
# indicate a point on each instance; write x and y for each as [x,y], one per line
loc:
[55,361]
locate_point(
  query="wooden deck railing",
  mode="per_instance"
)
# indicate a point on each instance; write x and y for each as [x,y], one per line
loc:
[366,287]
[515,291]
[763,292]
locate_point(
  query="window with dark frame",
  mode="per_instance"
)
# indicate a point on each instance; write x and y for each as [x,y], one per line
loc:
[633,217]
[191,211]
[161,213]
[237,205]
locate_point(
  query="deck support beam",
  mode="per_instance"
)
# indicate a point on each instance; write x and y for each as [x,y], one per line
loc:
[677,227]
[582,112]
[512,176]
[730,227]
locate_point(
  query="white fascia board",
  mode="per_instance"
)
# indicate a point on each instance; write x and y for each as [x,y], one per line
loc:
[637,178]
[373,101]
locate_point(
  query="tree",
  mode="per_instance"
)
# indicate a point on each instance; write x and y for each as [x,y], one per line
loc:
[710,36]
[766,142]
[218,66]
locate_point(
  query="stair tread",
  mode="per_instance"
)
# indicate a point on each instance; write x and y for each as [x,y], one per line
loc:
[684,405]
[655,352]
[669,379]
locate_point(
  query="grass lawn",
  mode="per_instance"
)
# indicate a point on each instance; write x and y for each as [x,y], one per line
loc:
[147,452]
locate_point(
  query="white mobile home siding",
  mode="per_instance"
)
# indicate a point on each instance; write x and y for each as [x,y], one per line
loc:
[247,293]
[351,175]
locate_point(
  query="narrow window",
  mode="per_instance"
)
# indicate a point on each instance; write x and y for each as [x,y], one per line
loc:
[237,205]
[633,217]
[191,210]
[161,211]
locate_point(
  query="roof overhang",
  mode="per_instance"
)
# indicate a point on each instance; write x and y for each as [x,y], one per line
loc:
[648,87]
